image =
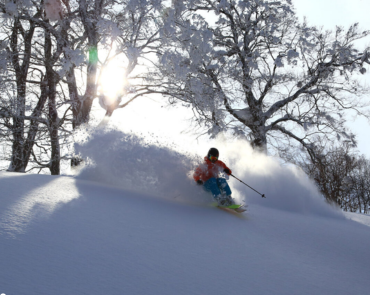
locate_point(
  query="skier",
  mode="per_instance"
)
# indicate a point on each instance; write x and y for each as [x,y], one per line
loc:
[207,173]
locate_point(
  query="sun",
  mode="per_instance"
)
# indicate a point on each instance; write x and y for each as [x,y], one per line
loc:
[112,81]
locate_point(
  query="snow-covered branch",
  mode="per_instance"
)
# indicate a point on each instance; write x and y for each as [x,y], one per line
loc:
[257,70]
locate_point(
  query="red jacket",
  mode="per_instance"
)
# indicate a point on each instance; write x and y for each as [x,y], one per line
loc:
[208,170]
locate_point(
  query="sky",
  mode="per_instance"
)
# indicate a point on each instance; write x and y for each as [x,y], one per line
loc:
[329,13]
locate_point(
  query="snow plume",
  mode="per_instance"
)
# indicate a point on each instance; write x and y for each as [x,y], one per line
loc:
[286,187]
[53,9]
[130,162]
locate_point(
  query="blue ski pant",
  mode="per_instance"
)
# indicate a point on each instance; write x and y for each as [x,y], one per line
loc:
[217,186]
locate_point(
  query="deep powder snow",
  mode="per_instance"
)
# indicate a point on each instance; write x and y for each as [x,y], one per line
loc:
[134,222]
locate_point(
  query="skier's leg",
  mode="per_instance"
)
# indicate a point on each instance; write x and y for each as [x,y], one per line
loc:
[211,186]
[226,198]
[223,185]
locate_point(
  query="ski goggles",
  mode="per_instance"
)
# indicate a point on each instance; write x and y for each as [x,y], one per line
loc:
[213,158]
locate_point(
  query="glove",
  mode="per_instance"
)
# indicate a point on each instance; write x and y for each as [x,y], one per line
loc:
[200,182]
[227,171]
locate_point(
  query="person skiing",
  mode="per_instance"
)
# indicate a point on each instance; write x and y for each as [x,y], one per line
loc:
[207,173]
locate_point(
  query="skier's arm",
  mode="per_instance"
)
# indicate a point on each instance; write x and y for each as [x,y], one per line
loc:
[197,174]
[226,169]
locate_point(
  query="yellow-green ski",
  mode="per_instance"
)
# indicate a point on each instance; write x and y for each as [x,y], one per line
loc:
[232,208]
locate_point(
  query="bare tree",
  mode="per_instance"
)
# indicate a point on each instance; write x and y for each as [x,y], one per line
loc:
[341,176]
[55,53]
[31,73]
[331,172]
[19,37]
[359,187]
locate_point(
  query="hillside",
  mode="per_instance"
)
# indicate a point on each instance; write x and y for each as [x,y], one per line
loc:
[62,235]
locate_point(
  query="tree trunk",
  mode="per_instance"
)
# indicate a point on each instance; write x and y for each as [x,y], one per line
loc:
[18,162]
[82,105]
[34,124]
[54,165]
[259,139]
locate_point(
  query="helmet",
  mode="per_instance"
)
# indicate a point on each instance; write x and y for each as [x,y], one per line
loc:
[213,152]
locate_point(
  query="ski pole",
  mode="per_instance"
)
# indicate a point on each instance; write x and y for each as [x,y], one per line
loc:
[262,195]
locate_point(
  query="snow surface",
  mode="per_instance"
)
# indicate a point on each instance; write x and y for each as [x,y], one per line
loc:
[103,233]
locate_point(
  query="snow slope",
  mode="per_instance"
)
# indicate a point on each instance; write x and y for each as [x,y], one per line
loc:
[60,235]
[90,235]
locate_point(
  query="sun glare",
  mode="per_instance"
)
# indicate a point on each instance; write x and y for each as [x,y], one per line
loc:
[112,81]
